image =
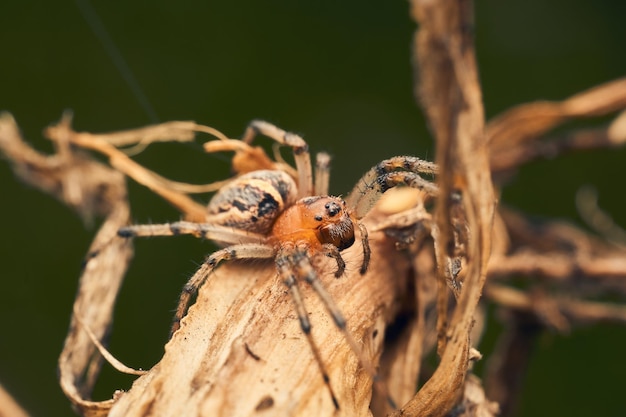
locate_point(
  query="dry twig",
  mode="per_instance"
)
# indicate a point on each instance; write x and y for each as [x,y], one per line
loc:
[449,90]
[91,189]
[10,407]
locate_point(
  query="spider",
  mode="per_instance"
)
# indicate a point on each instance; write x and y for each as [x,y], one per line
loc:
[266,213]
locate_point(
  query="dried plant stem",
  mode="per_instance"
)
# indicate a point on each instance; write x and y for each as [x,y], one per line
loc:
[514,135]
[10,407]
[91,189]
[572,309]
[450,93]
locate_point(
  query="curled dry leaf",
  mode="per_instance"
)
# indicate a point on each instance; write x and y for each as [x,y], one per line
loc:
[10,407]
[91,189]
[516,136]
[449,90]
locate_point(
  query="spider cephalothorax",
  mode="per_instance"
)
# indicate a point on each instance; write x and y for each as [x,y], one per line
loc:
[272,211]
[318,221]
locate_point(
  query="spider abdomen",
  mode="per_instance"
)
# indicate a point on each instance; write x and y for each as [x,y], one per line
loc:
[316,220]
[253,201]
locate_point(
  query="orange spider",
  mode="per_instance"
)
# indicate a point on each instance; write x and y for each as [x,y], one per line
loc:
[266,214]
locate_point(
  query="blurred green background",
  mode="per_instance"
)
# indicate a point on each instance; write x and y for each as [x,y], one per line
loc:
[337,72]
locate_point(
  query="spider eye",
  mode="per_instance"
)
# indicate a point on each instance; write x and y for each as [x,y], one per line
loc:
[332,208]
[319,218]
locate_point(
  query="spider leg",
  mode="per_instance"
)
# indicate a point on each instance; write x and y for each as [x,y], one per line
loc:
[304,270]
[299,146]
[332,251]
[201,230]
[322,173]
[243,251]
[387,174]
[283,264]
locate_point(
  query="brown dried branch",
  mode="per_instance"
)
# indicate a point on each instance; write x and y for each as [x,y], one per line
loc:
[10,407]
[514,137]
[608,271]
[562,253]
[566,307]
[564,268]
[563,265]
[103,143]
[580,140]
[450,93]
[91,189]
[508,364]
[401,363]
[596,218]
[474,402]
[529,121]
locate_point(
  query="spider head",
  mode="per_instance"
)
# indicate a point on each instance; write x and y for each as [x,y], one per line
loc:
[316,220]
[333,223]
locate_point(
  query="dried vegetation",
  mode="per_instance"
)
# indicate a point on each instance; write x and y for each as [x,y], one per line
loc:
[240,351]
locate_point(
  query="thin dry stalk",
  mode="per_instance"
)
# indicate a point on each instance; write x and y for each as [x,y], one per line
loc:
[92,189]
[514,136]
[569,274]
[449,90]
[9,407]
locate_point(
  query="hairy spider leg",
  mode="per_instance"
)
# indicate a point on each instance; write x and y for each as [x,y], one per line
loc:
[332,251]
[245,245]
[218,233]
[322,173]
[369,194]
[303,269]
[299,146]
[284,265]
[387,174]
[242,251]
